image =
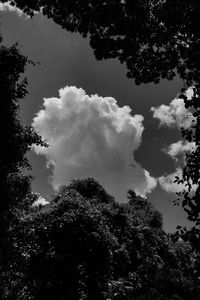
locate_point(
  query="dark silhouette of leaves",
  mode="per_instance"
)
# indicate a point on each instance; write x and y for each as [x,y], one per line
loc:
[88,247]
[16,140]
[155,39]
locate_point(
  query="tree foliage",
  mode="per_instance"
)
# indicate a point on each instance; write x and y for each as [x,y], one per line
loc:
[191,172]
[155,39]
[85,246]
[16,140]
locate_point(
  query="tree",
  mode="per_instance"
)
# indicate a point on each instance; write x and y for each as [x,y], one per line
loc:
[84,245]
[191,175]
[16,140]
[65,248]
[156,39]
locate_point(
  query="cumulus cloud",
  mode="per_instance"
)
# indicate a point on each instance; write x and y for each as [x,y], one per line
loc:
[8,7]
[177,152]
[175,114]
[91,136]
[149,184]
[168,184]
[180,148]
[40,201]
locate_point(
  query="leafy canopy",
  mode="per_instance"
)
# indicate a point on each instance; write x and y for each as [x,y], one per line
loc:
[84,245]
[155,39]
[16,140]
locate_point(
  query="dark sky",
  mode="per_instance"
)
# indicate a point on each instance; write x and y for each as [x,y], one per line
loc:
[67,59]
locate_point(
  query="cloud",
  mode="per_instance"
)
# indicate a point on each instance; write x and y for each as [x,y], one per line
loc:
[8,7]
[180,148]
[149,184]
[175,114]
[40,201]
[91,136]
[167,182]
[177,152]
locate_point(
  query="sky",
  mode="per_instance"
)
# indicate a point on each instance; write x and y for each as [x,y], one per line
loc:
[97,122]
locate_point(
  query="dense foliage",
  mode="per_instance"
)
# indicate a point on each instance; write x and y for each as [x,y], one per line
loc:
[16,140]
[191,172]
[154,38]
[84,245]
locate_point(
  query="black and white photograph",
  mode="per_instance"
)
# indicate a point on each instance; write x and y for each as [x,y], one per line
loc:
[100,150]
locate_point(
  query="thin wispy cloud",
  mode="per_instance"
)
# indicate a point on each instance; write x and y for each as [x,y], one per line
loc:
[91,136]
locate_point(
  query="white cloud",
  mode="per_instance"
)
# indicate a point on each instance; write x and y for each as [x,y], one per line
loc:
[175,114]
[180,148]
[8,7]
[91,136]
[177,152]
[40,201]
[149,184]
[168,184]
